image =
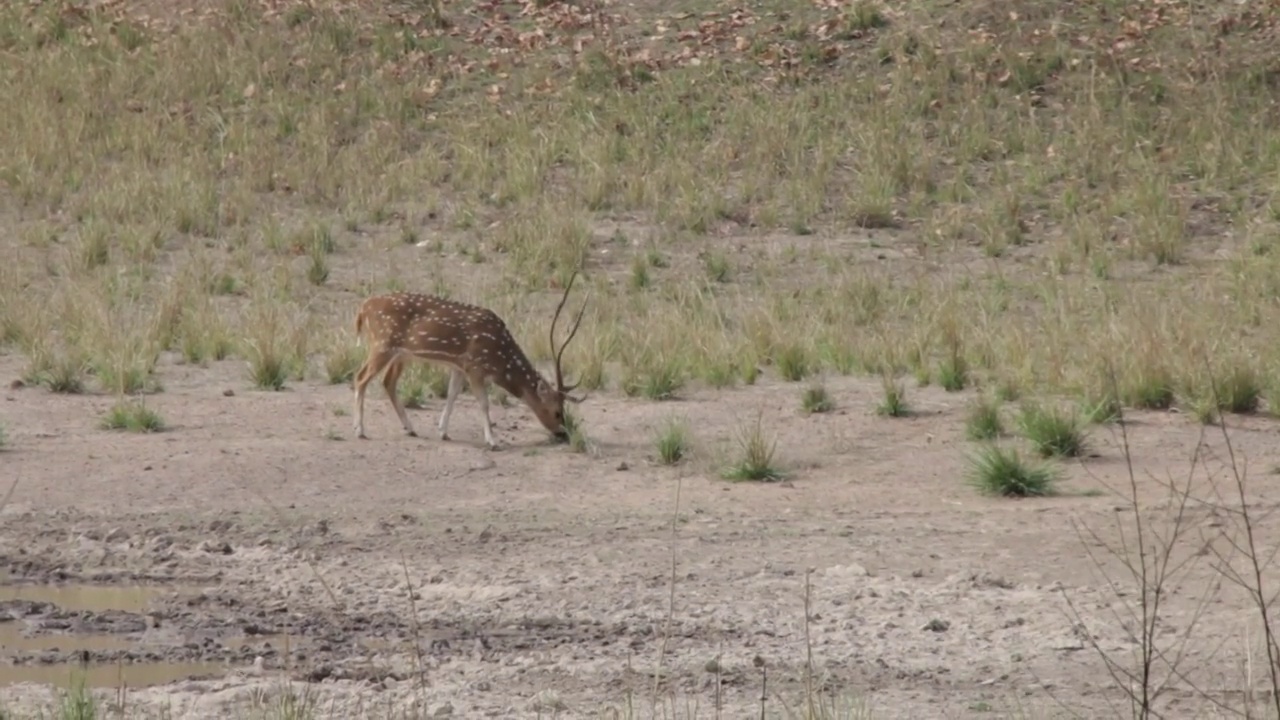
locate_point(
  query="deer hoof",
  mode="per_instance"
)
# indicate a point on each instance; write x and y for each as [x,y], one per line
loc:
[411,433]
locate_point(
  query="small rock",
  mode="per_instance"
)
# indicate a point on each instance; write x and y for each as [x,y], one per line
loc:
[623,467]
[547,701]
[117,535]
[17,385]
[216,547]
[228,393]
[936,625]
[444,710]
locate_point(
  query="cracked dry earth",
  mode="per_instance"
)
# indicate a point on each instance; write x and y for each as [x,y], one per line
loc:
[533,580]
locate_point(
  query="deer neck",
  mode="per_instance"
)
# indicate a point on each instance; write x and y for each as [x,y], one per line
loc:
[520,378]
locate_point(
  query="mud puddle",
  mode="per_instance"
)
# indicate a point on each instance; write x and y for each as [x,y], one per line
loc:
[101,636]
[90,598]
[14,641]
[99,676]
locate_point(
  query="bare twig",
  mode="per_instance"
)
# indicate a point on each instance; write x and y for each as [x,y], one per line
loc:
[1250,550]
[13,487]
[671,599]
[808,647]
[1150,559]
[420,685]
[764,684]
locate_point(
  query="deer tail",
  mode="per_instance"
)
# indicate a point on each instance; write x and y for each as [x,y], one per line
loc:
[359,321]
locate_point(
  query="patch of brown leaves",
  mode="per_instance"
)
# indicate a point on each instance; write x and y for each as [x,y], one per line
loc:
[488,39]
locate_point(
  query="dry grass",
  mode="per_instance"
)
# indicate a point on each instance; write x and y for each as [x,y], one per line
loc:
[817,193]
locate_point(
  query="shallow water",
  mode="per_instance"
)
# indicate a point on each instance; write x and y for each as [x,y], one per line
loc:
[95,598]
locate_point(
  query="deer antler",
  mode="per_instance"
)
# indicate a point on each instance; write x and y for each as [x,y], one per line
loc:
[566,389]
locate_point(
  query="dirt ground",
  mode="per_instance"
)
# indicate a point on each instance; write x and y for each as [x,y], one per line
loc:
[541,578]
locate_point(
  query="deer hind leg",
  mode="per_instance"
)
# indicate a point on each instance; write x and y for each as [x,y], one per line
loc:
[378,359]
[389,381]
[455,388]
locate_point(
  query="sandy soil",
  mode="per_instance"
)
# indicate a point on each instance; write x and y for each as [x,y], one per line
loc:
[533,579]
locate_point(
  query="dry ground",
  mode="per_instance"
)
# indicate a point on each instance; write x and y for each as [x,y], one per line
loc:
[1072,204]
[544,577]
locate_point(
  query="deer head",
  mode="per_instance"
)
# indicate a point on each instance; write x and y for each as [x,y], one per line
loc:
[553,399]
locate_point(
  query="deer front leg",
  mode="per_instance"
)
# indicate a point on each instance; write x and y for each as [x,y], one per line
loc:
[455,387]
[479,387]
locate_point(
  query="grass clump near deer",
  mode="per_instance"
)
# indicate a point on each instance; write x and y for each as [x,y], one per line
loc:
[835,189]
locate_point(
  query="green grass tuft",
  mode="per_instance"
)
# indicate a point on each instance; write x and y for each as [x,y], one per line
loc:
[1240,391]
[421,381]
[1102,409]
[816,399]
[133,416]
[995,470]
[755,458]
[576,436]
[953,373]
[269,369]
[672,441]
[793,363]
[983,421]
[1151,390]
[1052,431]
[342,363]
[894,401]
[656,379]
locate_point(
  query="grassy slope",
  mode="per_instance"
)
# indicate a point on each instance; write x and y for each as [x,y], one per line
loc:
[1021,196]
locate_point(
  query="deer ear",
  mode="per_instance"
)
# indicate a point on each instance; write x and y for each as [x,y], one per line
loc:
[543,387]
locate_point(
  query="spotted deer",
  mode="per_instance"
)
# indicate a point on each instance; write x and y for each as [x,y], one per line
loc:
[472,342]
